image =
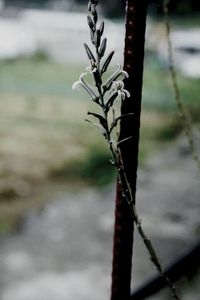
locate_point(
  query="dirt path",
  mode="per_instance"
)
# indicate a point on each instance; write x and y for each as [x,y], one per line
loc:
[64,252]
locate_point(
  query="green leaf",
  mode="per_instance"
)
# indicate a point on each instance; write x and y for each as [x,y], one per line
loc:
[107,62]
[90,90]
[124,140]
[89,52]
[103,131]
[90,23]
[113,77]
[94,13]
[89,6]
[103,48]
[92,36]
[101,28]
[97,38]
[115,121]
[101,119]
[110,101]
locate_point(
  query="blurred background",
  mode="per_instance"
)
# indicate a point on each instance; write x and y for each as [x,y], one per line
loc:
[57,188]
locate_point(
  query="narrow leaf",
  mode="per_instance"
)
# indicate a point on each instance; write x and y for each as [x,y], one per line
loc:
[115,121]
[90,23]
[89,52]
[110,101]
[103,48]
[97,126]
[97,38]
[89,6]
[107,62]
[90,90]
[124,140]
[101,28]
[92,36]
[101,119]
[113,77]
[94,13]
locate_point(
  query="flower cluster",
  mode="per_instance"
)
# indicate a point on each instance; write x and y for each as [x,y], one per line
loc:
[105,90]
[118,86]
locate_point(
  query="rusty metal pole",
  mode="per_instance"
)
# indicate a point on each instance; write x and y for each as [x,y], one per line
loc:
[136,11]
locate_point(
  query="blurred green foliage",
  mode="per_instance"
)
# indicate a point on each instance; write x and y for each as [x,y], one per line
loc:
[93,169]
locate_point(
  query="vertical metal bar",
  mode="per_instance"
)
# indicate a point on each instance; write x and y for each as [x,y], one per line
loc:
[133,64]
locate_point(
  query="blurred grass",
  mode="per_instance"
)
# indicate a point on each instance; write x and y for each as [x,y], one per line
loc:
[158,92]
[40,115]
[186,21]
[44,137]
[93,169]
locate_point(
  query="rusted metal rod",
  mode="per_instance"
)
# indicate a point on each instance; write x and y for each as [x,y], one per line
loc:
[133,63]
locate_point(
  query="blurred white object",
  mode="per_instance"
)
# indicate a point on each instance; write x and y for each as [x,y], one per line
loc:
[61,34]
[15,40]
[58,34]
[186,50]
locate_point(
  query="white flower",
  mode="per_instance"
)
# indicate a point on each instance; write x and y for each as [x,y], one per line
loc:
[89,89]
[123,72]
[119,72]
[92,68]
[118,86]
[79,83]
